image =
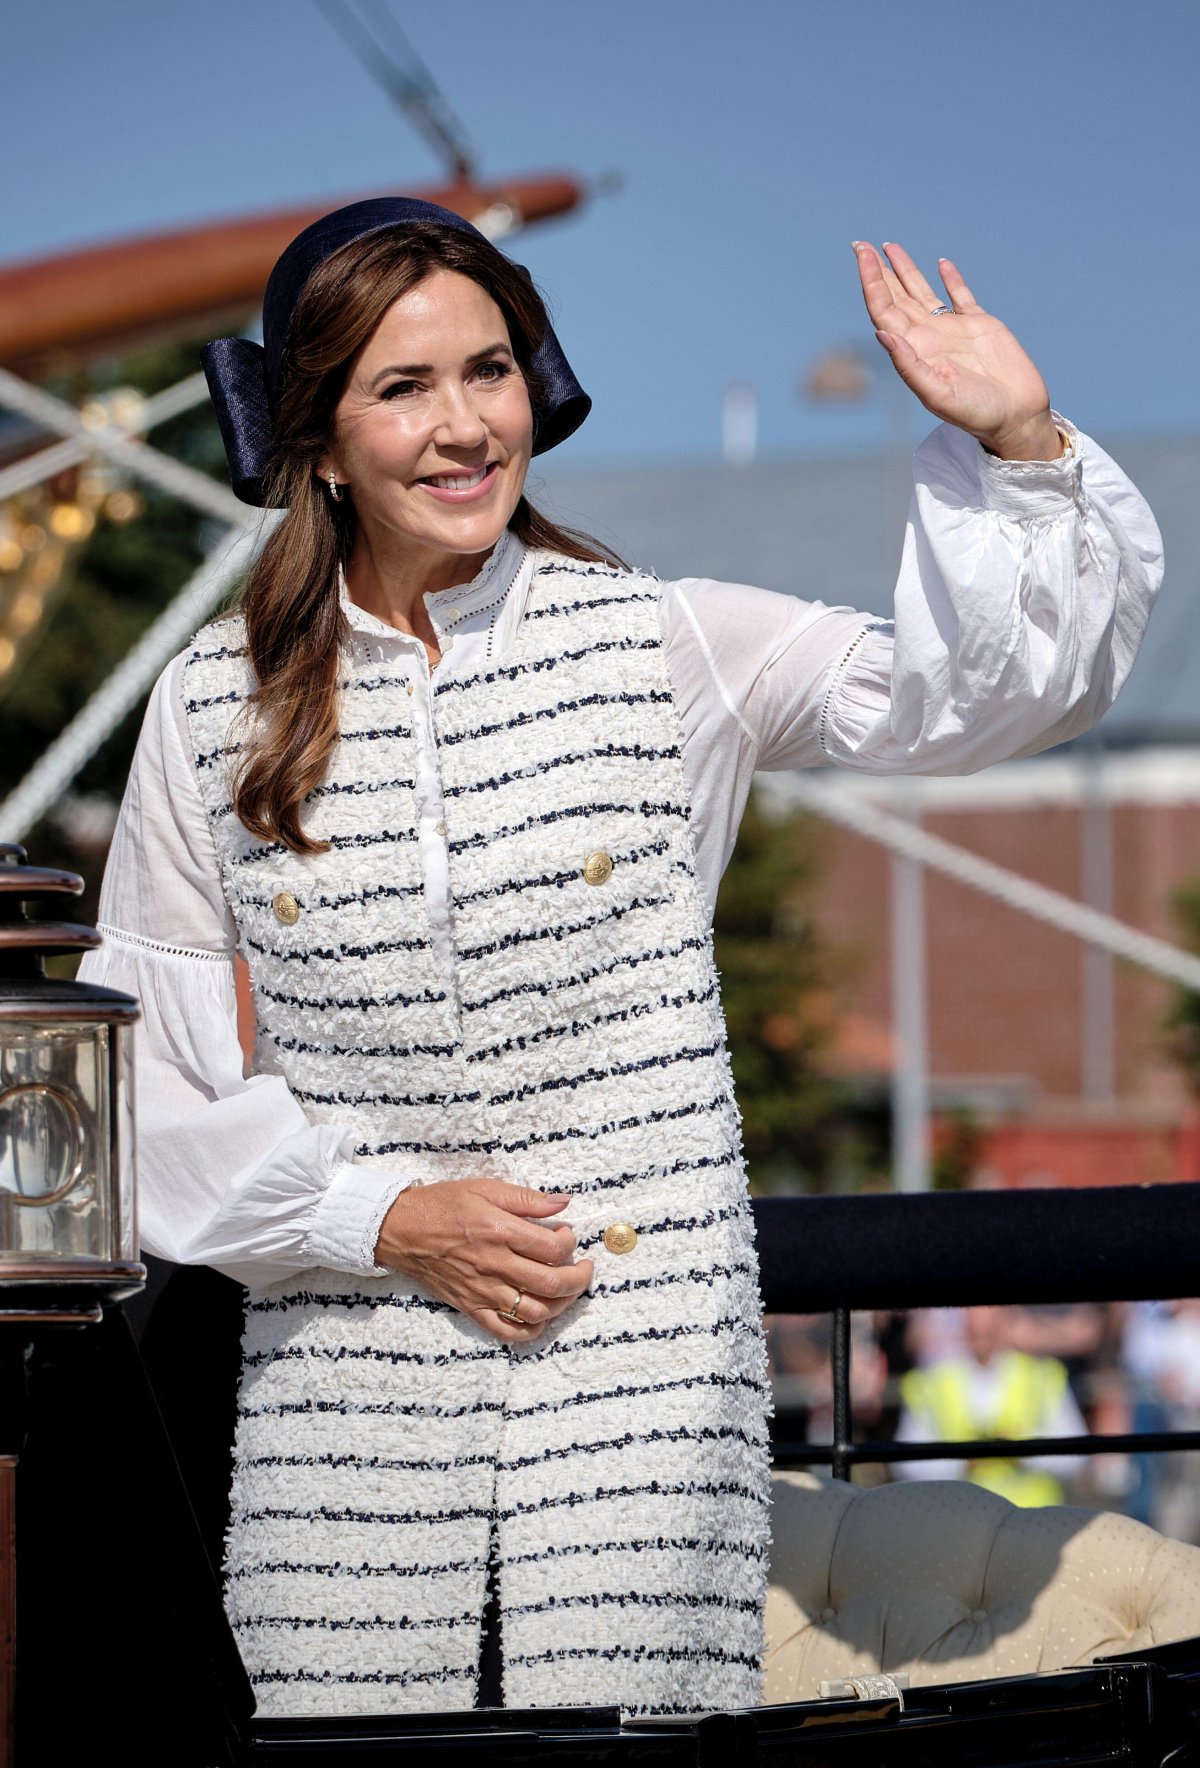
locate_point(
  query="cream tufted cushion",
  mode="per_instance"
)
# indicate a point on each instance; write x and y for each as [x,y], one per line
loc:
[949,1582]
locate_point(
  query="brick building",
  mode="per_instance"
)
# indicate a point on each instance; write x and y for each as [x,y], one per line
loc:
[1061,1050]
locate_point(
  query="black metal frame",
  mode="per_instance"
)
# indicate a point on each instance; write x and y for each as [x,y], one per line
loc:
[843,1453]
[1138,1711]
[839,1254]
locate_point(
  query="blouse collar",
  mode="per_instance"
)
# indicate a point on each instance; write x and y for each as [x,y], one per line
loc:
[490,583]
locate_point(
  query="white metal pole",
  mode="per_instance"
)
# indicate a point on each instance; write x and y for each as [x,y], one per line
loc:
[94,723]
[851,810]
[1097,1031]
[157,409]
[910,1039]
[171,476]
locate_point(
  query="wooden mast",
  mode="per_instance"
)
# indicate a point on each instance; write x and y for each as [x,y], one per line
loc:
[74,305]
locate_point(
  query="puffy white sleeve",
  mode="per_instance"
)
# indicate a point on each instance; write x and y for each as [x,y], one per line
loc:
[1023,594]
[1024,590]
[230,1171]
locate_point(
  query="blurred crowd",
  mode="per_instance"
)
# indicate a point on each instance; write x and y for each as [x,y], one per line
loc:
[957,1374]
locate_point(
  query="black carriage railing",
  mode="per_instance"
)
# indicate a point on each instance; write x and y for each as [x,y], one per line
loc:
[836,1255]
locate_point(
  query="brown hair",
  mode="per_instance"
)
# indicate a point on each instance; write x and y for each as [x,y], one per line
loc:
[295,629]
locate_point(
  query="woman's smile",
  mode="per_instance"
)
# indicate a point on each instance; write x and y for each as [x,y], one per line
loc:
[462,487]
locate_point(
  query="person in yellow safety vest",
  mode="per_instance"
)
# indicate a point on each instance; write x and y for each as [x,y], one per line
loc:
[991,1391]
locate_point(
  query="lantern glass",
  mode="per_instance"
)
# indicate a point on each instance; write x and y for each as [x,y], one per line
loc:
[66,1145]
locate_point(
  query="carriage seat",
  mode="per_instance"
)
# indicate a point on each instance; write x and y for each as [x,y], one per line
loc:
[950,1583]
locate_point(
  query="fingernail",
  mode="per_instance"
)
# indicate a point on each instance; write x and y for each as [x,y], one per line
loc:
[886,339]
[854,245]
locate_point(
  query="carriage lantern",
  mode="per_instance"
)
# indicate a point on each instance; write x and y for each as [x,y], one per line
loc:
[68,1233]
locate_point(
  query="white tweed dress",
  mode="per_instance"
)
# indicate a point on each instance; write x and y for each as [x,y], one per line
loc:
[616,1468]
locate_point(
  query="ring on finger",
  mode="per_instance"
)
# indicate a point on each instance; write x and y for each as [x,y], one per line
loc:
[934,312]
[514,1313]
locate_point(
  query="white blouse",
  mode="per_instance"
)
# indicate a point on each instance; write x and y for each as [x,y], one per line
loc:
[1023,592]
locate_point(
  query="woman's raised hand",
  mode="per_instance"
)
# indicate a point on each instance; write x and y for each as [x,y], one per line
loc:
[965,367]
[476,1243]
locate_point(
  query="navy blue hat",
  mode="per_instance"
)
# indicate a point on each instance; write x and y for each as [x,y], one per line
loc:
[243,377]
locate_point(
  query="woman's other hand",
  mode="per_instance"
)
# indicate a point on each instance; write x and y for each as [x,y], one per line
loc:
[476,1242]
[965,367]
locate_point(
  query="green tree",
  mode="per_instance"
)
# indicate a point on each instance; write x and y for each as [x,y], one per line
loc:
[805,1128]
[1182,1023]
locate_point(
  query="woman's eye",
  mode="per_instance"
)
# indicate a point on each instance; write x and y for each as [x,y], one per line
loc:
[398,389]
[494,371]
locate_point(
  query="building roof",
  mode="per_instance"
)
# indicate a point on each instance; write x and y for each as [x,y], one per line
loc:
[828,529]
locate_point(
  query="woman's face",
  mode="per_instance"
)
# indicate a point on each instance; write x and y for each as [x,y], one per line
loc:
[434,431]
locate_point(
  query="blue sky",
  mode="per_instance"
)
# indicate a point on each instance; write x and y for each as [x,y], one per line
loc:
[1051,149]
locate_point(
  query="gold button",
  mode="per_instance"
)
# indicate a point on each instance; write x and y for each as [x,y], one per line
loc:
[597,868]
[620,1237]
[287,909]
[409,689]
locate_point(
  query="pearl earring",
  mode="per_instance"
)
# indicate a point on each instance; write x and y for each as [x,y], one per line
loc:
[334,488]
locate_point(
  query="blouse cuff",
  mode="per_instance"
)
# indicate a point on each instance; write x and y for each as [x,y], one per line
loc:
[1025,488]
[346,1222]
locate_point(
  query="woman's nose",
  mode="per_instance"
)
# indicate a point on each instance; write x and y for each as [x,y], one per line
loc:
[459,423]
